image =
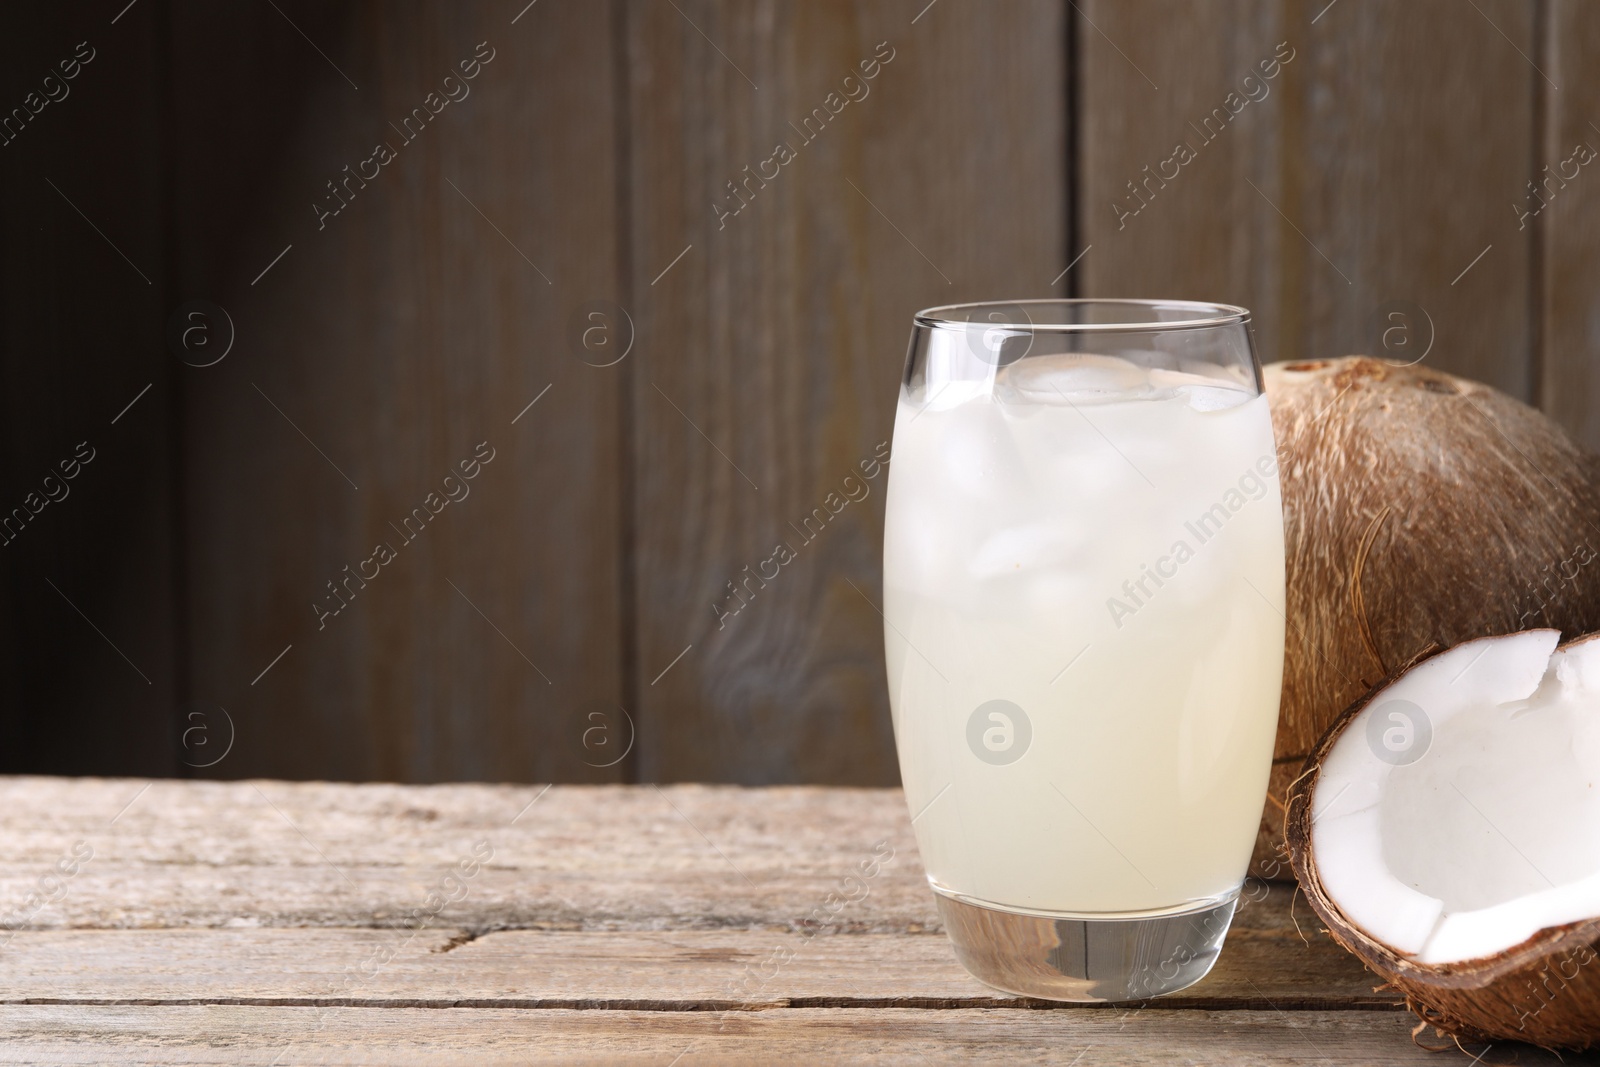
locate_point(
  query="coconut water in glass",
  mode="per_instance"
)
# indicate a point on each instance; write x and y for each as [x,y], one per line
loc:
[1084,594]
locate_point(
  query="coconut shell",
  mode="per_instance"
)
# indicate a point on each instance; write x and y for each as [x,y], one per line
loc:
[1421,510]
[1545,991]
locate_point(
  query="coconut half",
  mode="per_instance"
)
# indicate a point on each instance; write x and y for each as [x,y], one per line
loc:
[1447,830]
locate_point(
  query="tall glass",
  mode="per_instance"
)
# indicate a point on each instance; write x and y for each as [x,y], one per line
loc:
[1083,587]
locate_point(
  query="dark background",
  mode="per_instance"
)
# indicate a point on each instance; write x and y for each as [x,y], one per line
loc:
[159,619]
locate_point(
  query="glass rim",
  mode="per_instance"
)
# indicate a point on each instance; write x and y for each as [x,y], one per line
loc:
[1207,315]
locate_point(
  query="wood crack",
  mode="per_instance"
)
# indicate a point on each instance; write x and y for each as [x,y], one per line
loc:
[1317,1004]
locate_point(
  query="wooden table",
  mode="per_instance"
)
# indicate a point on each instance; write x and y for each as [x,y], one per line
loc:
[276,923]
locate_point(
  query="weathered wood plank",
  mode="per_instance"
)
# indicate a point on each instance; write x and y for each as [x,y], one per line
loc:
[687,901]
[770,353]
[580,857]
[1097,1038]
[627,894]
[1569,223]
[1384,156]
[395,336]
[210,853]
[89,643]
[668,970]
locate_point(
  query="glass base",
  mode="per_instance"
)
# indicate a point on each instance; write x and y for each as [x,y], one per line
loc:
[1085,959]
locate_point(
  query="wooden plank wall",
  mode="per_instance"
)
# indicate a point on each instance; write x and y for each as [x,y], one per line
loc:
[770,353]
[1568,228]
[90,662]
[577,200]
[1371,171]
[401,335]
[419,320]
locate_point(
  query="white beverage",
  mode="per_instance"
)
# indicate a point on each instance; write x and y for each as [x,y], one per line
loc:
[1100,546]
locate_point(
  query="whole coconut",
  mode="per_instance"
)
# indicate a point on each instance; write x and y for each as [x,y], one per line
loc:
[1421,510]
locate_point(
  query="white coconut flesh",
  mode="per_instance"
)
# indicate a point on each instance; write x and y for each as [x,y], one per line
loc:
[1464,845]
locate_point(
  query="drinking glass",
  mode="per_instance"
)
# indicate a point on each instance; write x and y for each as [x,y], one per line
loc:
[1083,597]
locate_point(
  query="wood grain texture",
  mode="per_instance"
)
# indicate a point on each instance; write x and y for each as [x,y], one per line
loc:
[1384,157]
[667,970]
[258,919]
[317,854]
[601,858]
[1098,1038]
[88,631]
[1569,224]
[770,353]
[658,896]
[389,342]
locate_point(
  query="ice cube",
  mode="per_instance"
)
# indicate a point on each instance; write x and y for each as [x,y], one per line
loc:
[917,546]
[1071,378]
[1204,392]
[1214,397]
[1018,549]
[944,395]
[975,454]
